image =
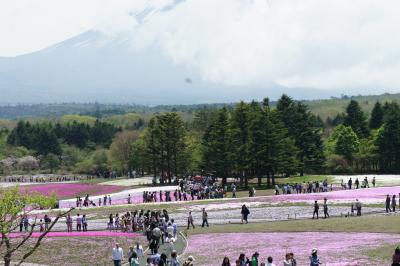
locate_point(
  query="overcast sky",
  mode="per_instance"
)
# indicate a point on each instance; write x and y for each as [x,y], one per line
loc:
[293,43]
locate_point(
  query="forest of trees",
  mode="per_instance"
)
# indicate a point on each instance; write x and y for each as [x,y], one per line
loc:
[245,140]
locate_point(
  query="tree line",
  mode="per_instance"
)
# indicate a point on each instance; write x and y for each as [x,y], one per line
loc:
[45,138]
[246,140]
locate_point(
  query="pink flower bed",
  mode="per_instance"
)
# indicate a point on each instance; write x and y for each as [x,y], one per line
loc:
[71,190]
[79,234]
[333,248]
[119,199]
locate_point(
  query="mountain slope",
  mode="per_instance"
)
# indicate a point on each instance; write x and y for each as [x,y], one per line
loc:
[94,67]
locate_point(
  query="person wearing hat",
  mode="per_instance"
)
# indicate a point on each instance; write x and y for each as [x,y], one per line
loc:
[314,260]
[254,259]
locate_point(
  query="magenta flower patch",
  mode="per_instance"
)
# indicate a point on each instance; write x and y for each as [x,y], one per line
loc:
[79,234]
[71,190]
[333,248]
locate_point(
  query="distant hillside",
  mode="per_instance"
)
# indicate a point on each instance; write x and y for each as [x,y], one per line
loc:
[331,107]
[118,113]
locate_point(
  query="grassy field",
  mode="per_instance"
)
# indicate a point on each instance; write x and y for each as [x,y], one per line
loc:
[381,253]
[373,224]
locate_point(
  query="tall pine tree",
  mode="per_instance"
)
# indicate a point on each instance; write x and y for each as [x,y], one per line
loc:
[377,114]
[355,118]
[301,127]
[216,147]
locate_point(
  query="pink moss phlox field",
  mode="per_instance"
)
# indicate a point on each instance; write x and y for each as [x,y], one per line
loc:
[63,191]
[333,248]
[78,234]
[118,199]
[361,194]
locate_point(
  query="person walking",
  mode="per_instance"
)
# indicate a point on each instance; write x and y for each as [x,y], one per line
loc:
[84,223]
[47,222]
[326,214]
[78,223]
[366,182]
[69,223]
[388,203]
[373,181]
[394,203]
[358,207]
[139,250]
[174,259]
[314,260]
[357,183]
[316,209]
[190,220]
[117,255]
[205,218]
[245,213]
[350,183]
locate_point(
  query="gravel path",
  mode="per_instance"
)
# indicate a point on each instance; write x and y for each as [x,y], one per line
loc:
[233,215]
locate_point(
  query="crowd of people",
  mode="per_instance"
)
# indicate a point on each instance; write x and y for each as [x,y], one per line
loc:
[356,184]
[80,221]
[289,260]
[391,203]
[305,187]
[188,190]
[255,260]
[159,230]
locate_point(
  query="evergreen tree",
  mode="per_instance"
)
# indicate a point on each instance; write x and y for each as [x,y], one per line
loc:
[46,141]
[239,134]
[300,124]
[258,144]
[356,119]
[388,140]
[377,114]
[151,138]
[216,146]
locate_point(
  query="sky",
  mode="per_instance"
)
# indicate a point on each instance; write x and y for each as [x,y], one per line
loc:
[320,44]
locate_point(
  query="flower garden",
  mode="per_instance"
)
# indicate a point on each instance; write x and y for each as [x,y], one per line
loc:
[71,190]
[272,231]
[334,248]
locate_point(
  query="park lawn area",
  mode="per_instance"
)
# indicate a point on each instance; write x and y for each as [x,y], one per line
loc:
[372,224]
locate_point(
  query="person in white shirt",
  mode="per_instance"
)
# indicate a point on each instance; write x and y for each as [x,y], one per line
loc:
[170,229]
[175,227]
[117,255]
[139,251]
[269,262]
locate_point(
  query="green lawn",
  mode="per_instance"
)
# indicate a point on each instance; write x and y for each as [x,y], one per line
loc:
[374,224]
[381,253]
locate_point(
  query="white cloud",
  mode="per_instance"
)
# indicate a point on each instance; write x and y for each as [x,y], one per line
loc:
[303,43]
